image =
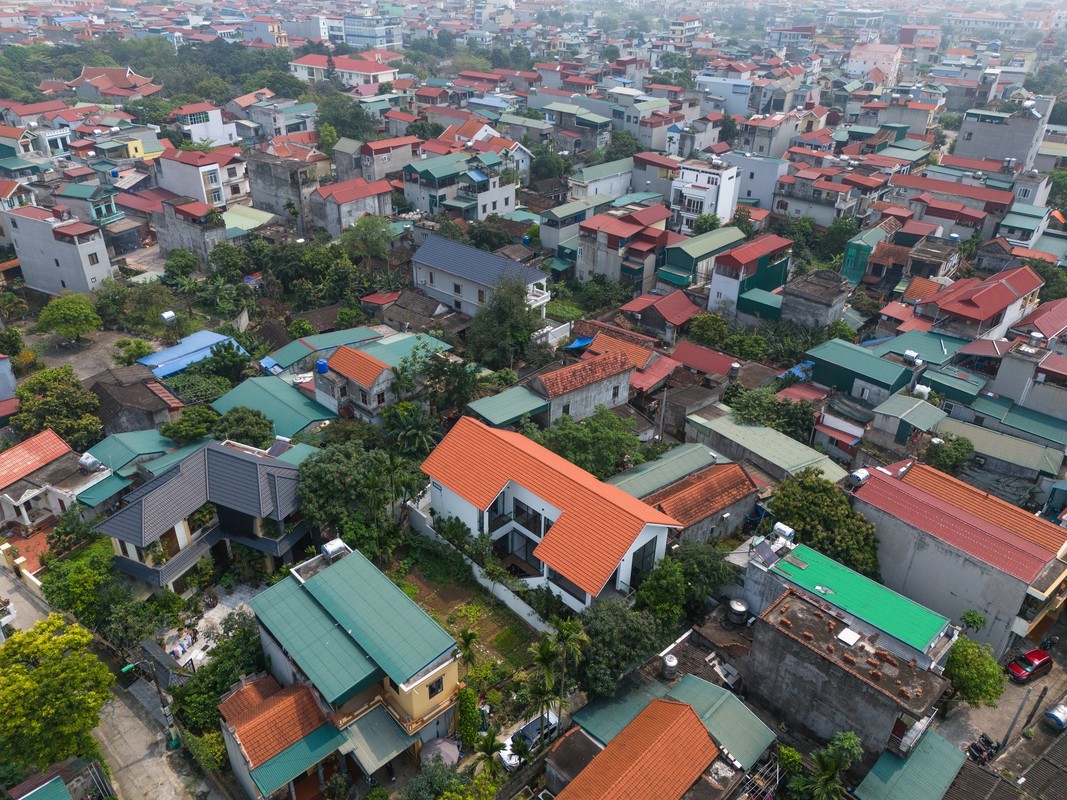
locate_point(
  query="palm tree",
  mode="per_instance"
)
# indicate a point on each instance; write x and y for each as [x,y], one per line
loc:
[465,640]
[520,748]
[12,306]
[488,746]
[568,640]
[825,782]
[545,659]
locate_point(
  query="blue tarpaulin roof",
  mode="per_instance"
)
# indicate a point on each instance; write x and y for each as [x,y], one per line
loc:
[477,175]
[578,344]
[189,350]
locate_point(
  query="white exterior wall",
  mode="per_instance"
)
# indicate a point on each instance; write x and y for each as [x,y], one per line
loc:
[56,266]
[734,91]
[715,189]
[186,179]
[756,177]
[608,186]
[723,293]
[219,132]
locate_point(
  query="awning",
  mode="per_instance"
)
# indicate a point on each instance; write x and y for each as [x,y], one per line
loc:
[836,435]
[375,739]
[676,277]
[559,265]
[461,205]
[297,759]
[103,490]
[578,344]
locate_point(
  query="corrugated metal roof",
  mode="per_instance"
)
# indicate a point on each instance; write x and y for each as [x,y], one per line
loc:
[337,666]
[468,262]
[605,170]
[925,774]
[283,404]
[375,739]
[705,244]
[508,406]
[297,759]
[1005,447]
[933,348]
[901,618]
[675,464]
[737,730]
[399,636]
[189,350]
[305,346]
[913,410]
[119,449]
[55,789]
[103,490]
[859,361]
[605,719]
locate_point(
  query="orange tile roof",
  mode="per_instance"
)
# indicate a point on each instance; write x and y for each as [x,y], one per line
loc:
[276,722]
[29,456]
[598,523]
[356,365]
[992,509]
[638,355]
[658,756]
[584,373]
[242,702]
[920,288]
[696,497]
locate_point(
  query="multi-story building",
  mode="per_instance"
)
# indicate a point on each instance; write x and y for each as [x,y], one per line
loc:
[757,177]
[188,224]
[57,252]
[350,71]
[627,244]
[218,177]
[337,206]
[982,309]
[372,31]
[703,187]
[998,135]
[265,29]
[814,193]
[459,182]
[327,27]
[384,157]
[201,122]
[684,29]
[13,195]
[770,134]
[762,263]
[281,116]
[865,58]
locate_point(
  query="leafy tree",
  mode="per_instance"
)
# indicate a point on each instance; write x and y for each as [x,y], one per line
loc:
[228,262]
[246,425]
[11,342]
[619,639]
[972,621]
[450,229]
[489,234]
[208,750]
[433,780]
[483,787]
[662,594]
[832,242]
[411,428]
[468,717]
[69,532]
[425,129]
[729,131]
[12,307]
[547,163]
[706,223]
[709,329]
[706,571]
[623,144]
[69,315]
[129,351]
[55,398]
[487,748]
[820,514]
[1055,278]
[499,334]
[300,327]
[52,689]
[569,640]
[349,317]
[743,221]
[195,423]
[369,237]
[345,116]
[327,138]
[226,361]
[761,407]
[609,53]
[951,122]
[976,676]
[950,454]
[602,444]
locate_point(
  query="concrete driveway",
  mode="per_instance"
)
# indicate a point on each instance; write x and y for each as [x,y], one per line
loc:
[93,354]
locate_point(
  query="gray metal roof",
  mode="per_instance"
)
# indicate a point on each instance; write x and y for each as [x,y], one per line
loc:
[227,476]
[464,261]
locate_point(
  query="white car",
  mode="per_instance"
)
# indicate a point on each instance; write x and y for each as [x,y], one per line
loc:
[537,732]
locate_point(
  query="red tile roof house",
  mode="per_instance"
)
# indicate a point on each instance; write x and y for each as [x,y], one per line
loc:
[337,206]
[953,548]
[982,309]
[1048,320]
[552,523]
[663,315]
[576,390]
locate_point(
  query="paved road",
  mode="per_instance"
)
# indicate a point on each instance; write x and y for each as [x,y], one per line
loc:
[28,608]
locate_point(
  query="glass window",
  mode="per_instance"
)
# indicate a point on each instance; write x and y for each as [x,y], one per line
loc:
[437,687]
[457,289]
[381,398]
[94,258]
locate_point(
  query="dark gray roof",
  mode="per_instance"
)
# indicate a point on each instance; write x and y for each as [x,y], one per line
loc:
[469,262]
[227,476]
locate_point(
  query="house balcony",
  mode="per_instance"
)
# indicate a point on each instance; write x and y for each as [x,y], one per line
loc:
[107,219]
[537,297]
[530,520]
[903,745]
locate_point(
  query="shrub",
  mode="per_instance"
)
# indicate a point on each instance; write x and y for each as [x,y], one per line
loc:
[469,719]
[209,750]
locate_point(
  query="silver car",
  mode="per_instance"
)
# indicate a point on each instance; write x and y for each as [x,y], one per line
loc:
[537,732]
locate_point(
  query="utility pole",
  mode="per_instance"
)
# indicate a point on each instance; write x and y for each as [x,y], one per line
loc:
[174,742]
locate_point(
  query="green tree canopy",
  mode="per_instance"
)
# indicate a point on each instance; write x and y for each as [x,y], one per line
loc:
[623,144]
[52,689]
[300,327]
[949,454]
[709,329]
[55,398]
[977,678]
[369,237]
[128,351]
[246,425]
[706,223]
[195,423]
[499,334]
[620,638]
[69,315]
[327,138]
[762,407]
[820,514]
[603,444]
[424,129]
[179,264]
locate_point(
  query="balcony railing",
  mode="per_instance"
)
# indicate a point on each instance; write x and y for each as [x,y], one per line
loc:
[536,297]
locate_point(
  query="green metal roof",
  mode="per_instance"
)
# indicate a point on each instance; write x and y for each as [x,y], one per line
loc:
[636,197]
[508,406]
[307,345]
[736,729]
[858,360]
[375,739]
[605,719]
[245,218]
[55,789]
[675,464]
[157,466]
[103,490]
[1020,222]
[119,449]
[399,636]
[335,664]
[460,205]
[298,453]
[706,244]
[1005,447]
[84,191]
[394,349]
[990,406]
[933,348]
[767,443]
[882,608]
[526,122]
[762,297]
[913,410]
[283,404]
[674,276]
[954,382]
[442,166]
[605,170]
[297,759]
[574,207]
[925,774]
[1036,423]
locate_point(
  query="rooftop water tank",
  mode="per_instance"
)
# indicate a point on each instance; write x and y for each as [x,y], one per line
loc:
[321,366]
[737,612]
[670,666]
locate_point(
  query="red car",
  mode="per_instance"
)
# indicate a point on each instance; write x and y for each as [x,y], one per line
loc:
[1029,666]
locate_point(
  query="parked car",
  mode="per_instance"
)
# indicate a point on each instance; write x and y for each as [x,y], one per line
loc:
[1029,666]
[536,732]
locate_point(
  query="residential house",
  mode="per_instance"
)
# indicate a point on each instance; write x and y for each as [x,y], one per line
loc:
[578,389]
[460,182]
[13,195]
[655,172]
[874,61]
[757,177]
[223,492]
[290,409]
[999,135]
[281,116]
[703,188]
[387,156]
[692,261]
[337,206]
[561,223]
[982,309]
[57,252]
[814,192]
[131,399]
[900,420]
[856,371]
[188,224]
[202,122]
[551,521]
[264,29]
[350,71]
[994,202]
[367,676]
[665,316]
[1049,322]
[611,178]
[302,354]
[576,129]
[954,548]
[218,178]
[889,702]
[278,184]
[770,134]
[1032,376]
[627,243]
[359,380]
[760,264]
[464,277]
[816,299]
[114,84]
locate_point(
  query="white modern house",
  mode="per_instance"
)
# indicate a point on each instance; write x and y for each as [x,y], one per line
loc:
[552,523]
[200,121]
[218,178]
[704,187]
[56,251]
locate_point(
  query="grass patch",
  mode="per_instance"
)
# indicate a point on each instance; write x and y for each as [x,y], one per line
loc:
[564,311]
